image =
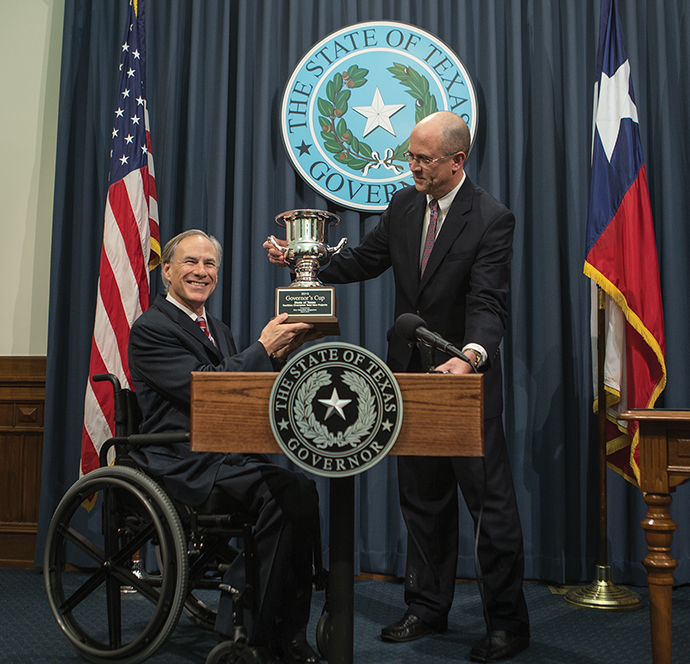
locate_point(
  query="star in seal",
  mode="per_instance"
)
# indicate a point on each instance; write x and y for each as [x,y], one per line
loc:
[378,114]
[335,404]
[303,149]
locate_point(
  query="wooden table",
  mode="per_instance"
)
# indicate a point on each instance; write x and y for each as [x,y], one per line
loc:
[443,415]
[664,464]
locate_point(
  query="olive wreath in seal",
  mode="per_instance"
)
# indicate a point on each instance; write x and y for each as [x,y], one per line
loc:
[337,137]
[317,432]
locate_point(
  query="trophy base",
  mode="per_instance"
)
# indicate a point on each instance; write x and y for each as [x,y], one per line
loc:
[309,305]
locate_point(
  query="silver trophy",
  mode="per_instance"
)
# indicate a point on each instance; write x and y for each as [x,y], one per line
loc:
[307,252]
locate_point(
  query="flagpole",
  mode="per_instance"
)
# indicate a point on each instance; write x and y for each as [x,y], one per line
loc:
[601,419]
[602,593]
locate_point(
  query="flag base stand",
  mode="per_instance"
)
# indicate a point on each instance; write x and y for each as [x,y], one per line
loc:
[603,594]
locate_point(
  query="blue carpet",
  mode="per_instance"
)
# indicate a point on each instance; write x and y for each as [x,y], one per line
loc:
[561,634]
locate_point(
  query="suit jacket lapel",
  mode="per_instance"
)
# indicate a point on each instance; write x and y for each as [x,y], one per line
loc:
[187,324]
[225,347]
[415,213]
[452,226]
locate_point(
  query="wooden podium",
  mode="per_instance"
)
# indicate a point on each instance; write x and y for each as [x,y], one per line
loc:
[664,465]
[443,415]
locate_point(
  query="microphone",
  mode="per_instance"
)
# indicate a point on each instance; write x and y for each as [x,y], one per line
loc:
[413,328]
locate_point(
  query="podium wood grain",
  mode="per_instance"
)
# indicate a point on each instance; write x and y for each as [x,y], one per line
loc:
[443,414]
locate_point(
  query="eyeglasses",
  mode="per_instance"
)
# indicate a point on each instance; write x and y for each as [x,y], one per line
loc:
[426,161]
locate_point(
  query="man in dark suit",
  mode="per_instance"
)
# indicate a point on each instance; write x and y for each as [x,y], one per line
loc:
[174,337]
[450,246]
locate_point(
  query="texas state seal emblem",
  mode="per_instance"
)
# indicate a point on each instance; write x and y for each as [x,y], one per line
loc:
[335,409]
[352,100]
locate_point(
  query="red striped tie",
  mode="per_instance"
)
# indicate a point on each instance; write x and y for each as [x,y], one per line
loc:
[430,233]
[201,322]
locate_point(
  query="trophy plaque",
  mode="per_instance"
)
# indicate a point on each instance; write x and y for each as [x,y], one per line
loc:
[306,299]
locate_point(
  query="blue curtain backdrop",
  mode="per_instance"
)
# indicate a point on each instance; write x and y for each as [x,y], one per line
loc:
[216,73]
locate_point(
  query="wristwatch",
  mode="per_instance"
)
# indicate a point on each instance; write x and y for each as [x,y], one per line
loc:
[477,357]
[277,361]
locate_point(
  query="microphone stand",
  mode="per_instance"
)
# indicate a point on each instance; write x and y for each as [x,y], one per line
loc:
[430,357]
[602,593]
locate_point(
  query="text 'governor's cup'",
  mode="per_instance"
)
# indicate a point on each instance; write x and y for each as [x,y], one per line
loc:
[306,299]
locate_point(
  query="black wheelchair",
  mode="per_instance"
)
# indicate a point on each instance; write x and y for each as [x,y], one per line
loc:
[151,546]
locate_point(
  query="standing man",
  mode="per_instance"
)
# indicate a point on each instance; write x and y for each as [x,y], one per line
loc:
[174,337]
[450,246]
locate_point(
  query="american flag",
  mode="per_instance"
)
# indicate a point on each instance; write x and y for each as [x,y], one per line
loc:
[131,240]
[621,250]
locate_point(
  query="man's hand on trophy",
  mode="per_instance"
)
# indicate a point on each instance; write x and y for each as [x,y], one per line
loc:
[281,338]
[298,340]
[276,256]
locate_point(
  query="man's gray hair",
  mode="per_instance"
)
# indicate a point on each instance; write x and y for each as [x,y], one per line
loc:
[171,246]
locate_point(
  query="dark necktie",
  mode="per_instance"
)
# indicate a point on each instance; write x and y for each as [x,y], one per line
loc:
[201,322]
[430,233]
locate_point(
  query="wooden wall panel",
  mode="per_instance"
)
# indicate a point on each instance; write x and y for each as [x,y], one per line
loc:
[22,404]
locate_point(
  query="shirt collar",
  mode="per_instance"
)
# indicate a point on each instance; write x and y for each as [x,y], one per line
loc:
[188,311]
[445,202]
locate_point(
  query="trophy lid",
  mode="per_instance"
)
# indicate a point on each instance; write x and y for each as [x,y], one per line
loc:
[284,218]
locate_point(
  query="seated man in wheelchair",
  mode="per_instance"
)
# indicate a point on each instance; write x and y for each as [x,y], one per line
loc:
[171,339]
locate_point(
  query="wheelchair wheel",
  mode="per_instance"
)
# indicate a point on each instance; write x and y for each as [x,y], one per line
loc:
[231,652]
[199,612]
[102,622]
[322,631]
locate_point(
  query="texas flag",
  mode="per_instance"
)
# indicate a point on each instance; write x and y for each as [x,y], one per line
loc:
[621,253]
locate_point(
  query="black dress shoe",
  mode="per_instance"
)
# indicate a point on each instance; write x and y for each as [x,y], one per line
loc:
[409,628]
[296,651]
[498,645]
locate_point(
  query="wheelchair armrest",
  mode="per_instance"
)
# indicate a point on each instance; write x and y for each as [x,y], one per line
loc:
[142,440]
[163,438]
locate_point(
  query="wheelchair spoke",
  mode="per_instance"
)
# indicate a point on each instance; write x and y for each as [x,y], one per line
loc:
[218,552]
[121,556]
[200,566]
[84,591]
[113,599]
[126,578]
[87,546]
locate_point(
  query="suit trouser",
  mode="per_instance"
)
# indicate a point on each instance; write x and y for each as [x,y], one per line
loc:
[287,505]
[429,502]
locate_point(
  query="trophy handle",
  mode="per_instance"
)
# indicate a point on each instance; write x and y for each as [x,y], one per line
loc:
[334,250]
[272,240]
